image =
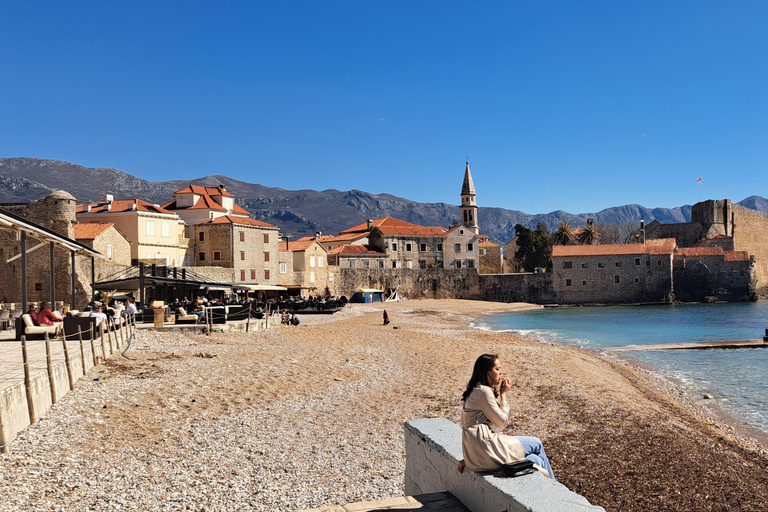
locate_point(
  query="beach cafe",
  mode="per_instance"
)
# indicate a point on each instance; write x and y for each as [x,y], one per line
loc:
[368,295]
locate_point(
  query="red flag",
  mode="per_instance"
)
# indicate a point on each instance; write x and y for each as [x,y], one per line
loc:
[698,180]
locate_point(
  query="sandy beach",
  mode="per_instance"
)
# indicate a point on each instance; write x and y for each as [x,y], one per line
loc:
[300,417]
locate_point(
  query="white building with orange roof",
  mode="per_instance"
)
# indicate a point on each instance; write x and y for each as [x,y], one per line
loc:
[194,204]
[246,245]
[156,235]
[304,267]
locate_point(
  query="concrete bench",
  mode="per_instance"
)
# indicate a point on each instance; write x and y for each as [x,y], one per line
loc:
[432,451]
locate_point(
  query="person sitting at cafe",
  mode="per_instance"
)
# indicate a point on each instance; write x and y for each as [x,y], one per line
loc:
[98,313]
[32,312]
[130,308]
[45,316]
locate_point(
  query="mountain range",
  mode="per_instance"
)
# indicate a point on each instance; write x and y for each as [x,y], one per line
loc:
[304,212]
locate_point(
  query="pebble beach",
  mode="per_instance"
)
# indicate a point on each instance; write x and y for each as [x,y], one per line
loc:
[299,417]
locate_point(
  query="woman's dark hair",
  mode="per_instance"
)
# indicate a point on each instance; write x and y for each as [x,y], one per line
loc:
[483,367]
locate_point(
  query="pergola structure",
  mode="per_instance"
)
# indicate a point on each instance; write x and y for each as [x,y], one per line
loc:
[27,230]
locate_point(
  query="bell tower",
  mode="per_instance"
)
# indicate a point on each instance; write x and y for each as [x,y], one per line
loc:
[468,203]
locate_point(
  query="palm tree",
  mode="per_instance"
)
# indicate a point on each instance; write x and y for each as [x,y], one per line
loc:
[564,234]
[589,235]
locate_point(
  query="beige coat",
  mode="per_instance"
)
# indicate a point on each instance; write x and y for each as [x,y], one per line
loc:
[483,449]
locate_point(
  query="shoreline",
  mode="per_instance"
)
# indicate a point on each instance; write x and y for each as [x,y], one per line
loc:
[302,417]
[669,386]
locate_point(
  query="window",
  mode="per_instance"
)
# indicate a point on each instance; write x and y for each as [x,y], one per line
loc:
[659,263]
[567,264]
[109,252]
[439,247]
[422,264]
[150,228]
[470,247]
[471,263]
[311,277]
[266,238]
[38,287]
[456,247]
[201,236]
[458,264]
[330,278]
[584,283]
[351,263]
[242,255]
[165,229]
[394,246]
[266,275]
[482,252]
[408,264]
[253,275]
[320,261]
[637,280]
[312,261]
[585,265]
[266,256]
[200,256]
[567,282]
[408,247]
[647,263]
[242,236]
[366,264]
[216,255]
[242,275]
[601,265]
[616,279]
[461,231]
[637,261]
[423,247]
[381,263]
[283,267]
[618,263]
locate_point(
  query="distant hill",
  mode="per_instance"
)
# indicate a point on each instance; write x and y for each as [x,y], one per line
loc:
[304,212]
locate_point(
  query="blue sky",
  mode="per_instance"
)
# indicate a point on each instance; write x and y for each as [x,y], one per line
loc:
[577,106]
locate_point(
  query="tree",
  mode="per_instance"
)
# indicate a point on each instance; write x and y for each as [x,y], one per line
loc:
[534,248]
[564,234]
[609,233]
[589,234]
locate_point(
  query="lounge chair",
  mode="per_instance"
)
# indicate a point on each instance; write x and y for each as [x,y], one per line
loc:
[182,317]
[25,326]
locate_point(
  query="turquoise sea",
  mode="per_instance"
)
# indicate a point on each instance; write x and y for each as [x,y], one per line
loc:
[736,378]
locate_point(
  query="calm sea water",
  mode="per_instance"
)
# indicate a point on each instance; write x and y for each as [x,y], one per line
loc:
[737,378]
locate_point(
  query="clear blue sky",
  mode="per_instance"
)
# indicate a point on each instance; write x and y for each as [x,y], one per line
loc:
[565,105]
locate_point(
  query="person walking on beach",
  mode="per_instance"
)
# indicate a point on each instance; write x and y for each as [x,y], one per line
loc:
[386,318]
[485,404]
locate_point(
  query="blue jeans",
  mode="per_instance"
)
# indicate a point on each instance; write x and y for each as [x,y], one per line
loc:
[534,451]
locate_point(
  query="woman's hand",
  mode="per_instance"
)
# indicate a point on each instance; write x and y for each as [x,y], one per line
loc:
[504,385]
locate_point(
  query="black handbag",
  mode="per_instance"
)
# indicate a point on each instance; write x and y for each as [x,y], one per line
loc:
[523,467]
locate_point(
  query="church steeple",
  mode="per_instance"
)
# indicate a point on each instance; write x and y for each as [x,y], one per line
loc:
[468,204]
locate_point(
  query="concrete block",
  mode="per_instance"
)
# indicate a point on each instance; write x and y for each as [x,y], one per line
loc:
[433,449]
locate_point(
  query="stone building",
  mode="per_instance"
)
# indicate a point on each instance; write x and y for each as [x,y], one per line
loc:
[248,246]
[613,273]
[491,256]
[357,256]
[310,268]
[156,235]
[57,214]
[195,204]
[712,218]
[712,273]
[106,239]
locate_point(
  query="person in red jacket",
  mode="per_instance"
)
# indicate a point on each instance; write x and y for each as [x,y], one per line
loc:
[45,316]
[32,312]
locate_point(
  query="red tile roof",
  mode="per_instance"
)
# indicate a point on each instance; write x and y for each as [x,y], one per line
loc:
[694,252]
[412,230]
[488,243]
[229,219]
[121,206]
[736,256]
[660,246]
[91,230]
[385,221]
[360,250]
[221,190]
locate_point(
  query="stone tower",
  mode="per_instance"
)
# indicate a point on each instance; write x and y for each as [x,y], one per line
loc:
[468,203]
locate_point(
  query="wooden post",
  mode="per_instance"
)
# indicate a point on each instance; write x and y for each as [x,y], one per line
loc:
[4,448]
[103,343]
[109,333]
[122,338]
[93,345]
[49,362]
[67,361]
[82,350]
[27,381]
[248,322]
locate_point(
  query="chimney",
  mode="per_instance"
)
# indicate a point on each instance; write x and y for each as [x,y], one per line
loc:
[87,208]
[642,231]
[108,198]
[370,224]
[108,206]
[318,234]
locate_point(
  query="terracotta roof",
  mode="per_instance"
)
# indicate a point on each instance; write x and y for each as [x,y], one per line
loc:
[228,219]
[488,244]
[736,256]
[659,246]
[121,206]
[355,249]
[377,223]
[91,230]
[296,245]
[211,191]
[691,252]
